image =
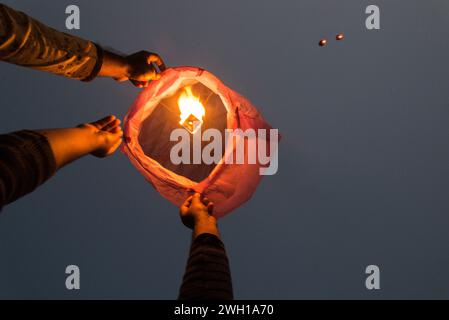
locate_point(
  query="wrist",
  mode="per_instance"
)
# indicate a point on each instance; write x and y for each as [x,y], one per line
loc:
[206,225]
[206,219]
[115,66]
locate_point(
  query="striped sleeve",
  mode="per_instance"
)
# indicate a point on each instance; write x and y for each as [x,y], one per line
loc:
[26,42]
[26,161]
[207,275]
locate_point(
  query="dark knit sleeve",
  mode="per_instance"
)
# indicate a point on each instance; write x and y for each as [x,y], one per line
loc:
[26,161]
[207,276]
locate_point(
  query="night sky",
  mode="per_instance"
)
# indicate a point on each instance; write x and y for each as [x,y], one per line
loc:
[363,170]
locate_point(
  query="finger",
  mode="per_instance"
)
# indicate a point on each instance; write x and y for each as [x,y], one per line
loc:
[152,74]
[188,200]
[139,84]
[102,122]
[210,207]
[143,78]
[116,130]
[114,140]
[114,124]
[183,211]
[206,201]
[116,135]
[157,76]
[121,78]
[154,57]
[111,125]
[187,203]
[114,147]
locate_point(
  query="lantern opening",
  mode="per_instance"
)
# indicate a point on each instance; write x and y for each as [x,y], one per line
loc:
[156,128]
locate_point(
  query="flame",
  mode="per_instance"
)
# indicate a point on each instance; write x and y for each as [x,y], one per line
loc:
[190,105]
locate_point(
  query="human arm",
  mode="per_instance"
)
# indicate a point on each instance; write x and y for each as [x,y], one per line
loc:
[27,42]
[207,275]
[29,158]
[100,138]
[139,68]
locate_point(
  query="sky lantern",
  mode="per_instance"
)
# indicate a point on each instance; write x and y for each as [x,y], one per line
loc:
[187,132]
[339,36]
[322,42]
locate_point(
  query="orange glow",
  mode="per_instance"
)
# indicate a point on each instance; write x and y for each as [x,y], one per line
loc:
[191,110]
[322,42]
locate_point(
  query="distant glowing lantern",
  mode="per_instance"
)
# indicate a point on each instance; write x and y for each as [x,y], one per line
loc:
[323,42]
[339,36]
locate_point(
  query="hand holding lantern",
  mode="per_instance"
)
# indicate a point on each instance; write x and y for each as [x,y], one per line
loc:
[196,214]
[139,68]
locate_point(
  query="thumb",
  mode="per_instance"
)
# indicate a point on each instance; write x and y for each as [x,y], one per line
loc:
[196,199]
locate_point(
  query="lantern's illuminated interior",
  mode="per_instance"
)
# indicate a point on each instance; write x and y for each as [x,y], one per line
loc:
[192,107]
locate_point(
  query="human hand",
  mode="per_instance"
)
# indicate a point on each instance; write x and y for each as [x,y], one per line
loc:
[106,135]
[197,211]
[141,68]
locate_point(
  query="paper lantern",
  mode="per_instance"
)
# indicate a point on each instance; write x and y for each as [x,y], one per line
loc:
[193,100]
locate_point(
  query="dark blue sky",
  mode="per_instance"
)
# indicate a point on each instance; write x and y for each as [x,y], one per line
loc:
[363,171]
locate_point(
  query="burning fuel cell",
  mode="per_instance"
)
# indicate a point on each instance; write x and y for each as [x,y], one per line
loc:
[191,111]
[192,124]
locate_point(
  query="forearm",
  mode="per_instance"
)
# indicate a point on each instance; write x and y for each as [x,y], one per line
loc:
[69,144]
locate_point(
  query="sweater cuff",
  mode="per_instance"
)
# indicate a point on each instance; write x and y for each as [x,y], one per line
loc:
[98,64]
[208,238]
